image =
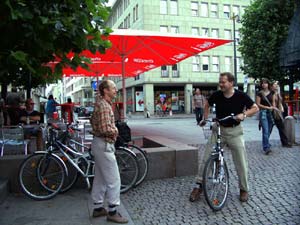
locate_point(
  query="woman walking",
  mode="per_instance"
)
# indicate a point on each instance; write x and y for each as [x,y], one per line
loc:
[264,100]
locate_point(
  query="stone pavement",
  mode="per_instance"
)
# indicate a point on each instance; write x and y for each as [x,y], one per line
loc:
[274,188]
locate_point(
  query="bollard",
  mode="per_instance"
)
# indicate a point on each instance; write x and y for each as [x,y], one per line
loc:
[289,127]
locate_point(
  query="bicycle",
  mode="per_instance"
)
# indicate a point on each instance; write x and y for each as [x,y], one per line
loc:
[215,174]
[44,165]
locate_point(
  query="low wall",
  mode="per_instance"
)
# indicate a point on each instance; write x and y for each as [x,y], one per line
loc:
[167,158]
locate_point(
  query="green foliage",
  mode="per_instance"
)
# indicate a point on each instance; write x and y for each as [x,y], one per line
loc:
[265,27]
[33,31]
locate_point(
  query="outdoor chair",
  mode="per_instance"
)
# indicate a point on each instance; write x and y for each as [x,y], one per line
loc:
[87,136]
[13,135]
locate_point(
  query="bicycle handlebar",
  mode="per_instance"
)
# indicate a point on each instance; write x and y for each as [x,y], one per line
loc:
[232,116]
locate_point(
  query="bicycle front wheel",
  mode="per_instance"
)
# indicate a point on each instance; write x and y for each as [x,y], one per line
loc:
[128,168]
[215,183]
[41,176]
[143,163]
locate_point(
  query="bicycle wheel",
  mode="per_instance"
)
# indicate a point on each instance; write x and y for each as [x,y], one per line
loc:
[71,178]
[143,163]
[215,183]
[128,168]
[41,176]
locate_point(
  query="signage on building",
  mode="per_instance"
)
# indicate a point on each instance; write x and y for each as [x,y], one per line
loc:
[139,101]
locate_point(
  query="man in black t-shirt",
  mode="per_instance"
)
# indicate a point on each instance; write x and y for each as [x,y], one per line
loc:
[229,101]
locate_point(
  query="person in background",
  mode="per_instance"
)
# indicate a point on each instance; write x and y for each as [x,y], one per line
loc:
[228,101]
[264,101]
[107,180]
[67,111]
[31,119]
[50,107]
[198,105]
[13,104]
[277,104]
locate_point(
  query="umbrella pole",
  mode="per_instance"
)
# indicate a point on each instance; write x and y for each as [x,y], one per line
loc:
[123,87]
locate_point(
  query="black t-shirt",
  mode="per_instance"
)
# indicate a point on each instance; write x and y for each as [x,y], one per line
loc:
[263,100]
[227,106]
[25,113]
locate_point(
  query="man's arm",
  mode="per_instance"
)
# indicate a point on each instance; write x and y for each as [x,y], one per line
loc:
[248,113]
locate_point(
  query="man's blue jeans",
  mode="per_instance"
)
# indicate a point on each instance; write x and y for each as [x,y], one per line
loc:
[267,122]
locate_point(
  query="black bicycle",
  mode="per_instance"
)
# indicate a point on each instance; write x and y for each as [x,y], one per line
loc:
[215,174]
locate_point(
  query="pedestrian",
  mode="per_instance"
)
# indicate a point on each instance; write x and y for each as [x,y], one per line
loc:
[67,111]
[31,119]
[198,105]
[264,100]
[13,104]
[277,103]
[50,107]
[228,101]
[107,178]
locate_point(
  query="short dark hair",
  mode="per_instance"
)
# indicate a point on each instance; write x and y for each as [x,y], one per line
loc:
[229,76]
[69,100]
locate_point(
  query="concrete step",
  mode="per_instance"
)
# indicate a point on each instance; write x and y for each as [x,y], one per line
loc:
[3,189]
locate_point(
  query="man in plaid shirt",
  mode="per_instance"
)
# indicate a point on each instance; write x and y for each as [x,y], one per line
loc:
[107,178]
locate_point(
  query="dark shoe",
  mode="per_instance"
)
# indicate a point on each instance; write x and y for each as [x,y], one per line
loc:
[244,196]
[287,146]
[195,195]
[268,151]
[116,218]
[98,212]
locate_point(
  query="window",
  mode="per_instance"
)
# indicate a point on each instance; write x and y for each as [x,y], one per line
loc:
[195,8]
[204,32]
[175,72]
[164,71]
[163,29]
[133,13]
[243,8]
[236,10]
[214,10]
[163,7]
[195,31]
[228,64]
[205,63]
[215,33]
[239,64]
[174,29]
[237,37]
[204,9]
[226,10]
[121,26]
[136,12]
[227,35]
[173,7]
[215,64]
[196,63]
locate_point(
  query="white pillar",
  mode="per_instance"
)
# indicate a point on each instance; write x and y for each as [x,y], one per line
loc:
[148,90]
[188,93]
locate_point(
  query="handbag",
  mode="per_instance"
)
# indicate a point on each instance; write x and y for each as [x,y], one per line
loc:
[276,113]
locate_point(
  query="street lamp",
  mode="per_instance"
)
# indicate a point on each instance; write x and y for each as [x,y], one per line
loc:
[234,18]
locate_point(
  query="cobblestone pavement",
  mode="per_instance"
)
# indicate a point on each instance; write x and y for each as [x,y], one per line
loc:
[274,194]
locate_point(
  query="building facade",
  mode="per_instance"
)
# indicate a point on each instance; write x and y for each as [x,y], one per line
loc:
[176,84]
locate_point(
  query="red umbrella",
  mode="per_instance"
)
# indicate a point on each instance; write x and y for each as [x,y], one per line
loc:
[136,51]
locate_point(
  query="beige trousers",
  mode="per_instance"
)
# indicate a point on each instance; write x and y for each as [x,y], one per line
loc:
[233,138]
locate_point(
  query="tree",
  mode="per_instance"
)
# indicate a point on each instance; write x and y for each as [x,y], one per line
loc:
[33,32]
[265,26]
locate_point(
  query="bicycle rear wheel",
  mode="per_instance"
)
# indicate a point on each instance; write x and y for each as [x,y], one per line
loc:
[143,163]
[215,183]
[128,168]
[41,176]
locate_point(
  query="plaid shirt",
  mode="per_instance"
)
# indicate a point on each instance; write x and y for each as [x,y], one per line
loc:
[103,120]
